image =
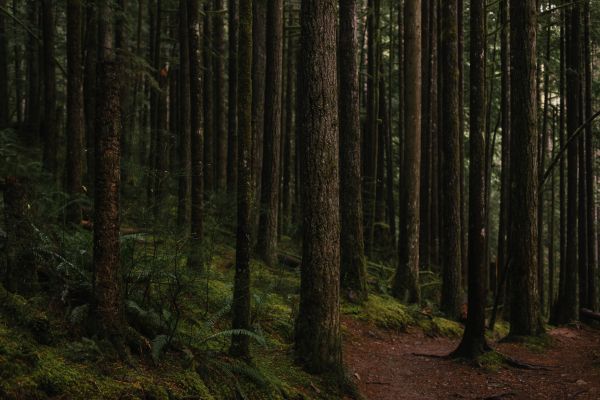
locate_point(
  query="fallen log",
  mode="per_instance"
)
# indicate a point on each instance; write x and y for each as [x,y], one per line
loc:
[589,314]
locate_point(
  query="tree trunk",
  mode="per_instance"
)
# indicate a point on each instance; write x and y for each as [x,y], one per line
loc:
[473,343]
[197,133]
[317,331]
[426,133]
[450,184]
[353,263]
[209,106]
[49,126]
[241,291]
[370,139]
[567,301]
[75,104]
[524,316]
[108,290]
[406,282]
[89,89]
[33,104]
[269,198]
[4,106]
[220,121]
[184,145]
[232,140]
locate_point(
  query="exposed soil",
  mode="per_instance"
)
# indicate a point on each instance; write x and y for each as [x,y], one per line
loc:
[389,366]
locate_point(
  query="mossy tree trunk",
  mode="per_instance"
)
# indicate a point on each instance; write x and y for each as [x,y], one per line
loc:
[49,125]
[232,141]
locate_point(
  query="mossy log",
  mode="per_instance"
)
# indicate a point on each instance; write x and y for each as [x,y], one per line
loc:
[17,309]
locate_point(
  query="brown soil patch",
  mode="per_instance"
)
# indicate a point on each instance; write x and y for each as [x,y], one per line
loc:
[385,367]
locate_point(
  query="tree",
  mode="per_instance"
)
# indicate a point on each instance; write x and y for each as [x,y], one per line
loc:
[184,145]
[450,184]
[473,343]
[270,181]
[220,118]
[197,134]
[108,292]
[567,301]
[49,128]
[89,88]
[371,129]
[524,316]
[241,291]
[75,104]
[317,330]
[4,115]
[232,140]
[209,104]
[406,281]
[33,104]
[353,262]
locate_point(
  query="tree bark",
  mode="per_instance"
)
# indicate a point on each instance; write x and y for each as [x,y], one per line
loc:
[473,343]
[269,198]
[241,291]
[75,105]
[524,316]
[197,134]
[220,118]
[209,106]
[232,140]
[406,282]
[4,106]
[49,126]
[353,262]
[317,331]
[450,184]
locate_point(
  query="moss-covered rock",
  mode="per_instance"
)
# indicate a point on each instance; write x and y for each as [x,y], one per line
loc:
[441,327]
[383,311]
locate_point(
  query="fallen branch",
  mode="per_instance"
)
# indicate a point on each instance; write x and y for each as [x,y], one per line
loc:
[587,313]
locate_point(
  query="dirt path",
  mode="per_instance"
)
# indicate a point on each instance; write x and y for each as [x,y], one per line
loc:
[385,367]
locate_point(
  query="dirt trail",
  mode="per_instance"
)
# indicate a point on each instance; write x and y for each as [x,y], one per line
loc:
[385,367]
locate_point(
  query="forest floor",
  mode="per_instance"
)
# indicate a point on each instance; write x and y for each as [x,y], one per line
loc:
[392,365]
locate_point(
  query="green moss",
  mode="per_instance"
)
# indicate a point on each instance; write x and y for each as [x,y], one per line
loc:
[491,361]
[441,327]
[383,311]
[501,329]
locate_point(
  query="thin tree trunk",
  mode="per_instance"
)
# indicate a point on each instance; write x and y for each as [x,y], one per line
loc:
[241,292]
[451,165]
[209,106]
[269,198]
[232,75]
[197,134]
[4,106]
[89,89]
[49,126]
[220,119]
[184,147]
[75,108]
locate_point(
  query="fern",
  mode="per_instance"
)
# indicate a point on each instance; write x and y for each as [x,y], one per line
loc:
[235,332]
[159,343]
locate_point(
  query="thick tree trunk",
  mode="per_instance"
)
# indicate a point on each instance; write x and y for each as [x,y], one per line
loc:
[406,282]
[241,291]
[75,105]
[525,314]
[269,198]
[197,133]
[426,133]
[317,331]
[450,184]
[353,263]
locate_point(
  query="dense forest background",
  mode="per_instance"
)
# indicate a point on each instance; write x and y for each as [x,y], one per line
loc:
[198,193]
